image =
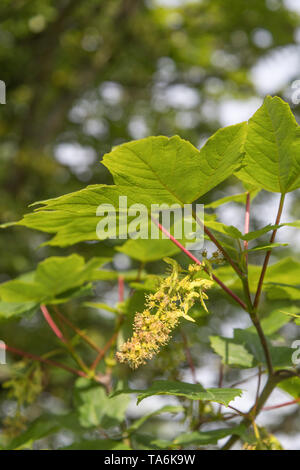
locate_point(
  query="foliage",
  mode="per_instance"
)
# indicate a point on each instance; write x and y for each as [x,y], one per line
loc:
[164,170]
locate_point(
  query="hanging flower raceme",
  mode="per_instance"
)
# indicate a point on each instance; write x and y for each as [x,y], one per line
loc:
[176,295]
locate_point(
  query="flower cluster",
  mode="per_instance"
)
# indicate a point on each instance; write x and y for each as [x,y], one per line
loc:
[177,293]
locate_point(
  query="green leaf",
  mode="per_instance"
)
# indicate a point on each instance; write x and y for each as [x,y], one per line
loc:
[183,389]
[161,166]
[291,386]
[208,437]
[165,409]
[232,352]
[13,310]
[100,444]
[272,147]
[38,429]
[274,321]
[239,198]
[159,169]
[245,350]
[56,280]
[148,250]
[95,408]
[268,247]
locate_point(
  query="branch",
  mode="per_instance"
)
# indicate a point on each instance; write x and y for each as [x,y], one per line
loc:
[219,246]
[111,341]
[28,355]
[268,254]
[193,258]
[274,407]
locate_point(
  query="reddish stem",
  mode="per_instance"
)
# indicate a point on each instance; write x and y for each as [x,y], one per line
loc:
[274,407]
[19,352]
[121,288]
[52,324]
[192,257]
[247,224]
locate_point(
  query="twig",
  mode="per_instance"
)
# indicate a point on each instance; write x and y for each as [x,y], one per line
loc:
[274,407]
[111,341]
[189,357]
[258,386]
[247,222]
[219,246]
[77,330]
[193,258]
[28,355]
[268,254]
[263,341]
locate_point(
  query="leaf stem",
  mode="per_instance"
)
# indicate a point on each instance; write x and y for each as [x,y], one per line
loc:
[219,246]
[52,324]
[268,254]
[274,407]
[60,335]
[189,357]
[247,224]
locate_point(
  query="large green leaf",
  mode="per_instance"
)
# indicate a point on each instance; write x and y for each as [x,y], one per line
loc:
[272,146]
[171,169]
[148,171]
[95,408]
[56,280]
[183,389]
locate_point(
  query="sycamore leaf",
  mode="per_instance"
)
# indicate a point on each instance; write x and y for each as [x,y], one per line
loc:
[245,350]
[272,148]
[182,389]
[238,198]
[56,280]
[159,168]
[95,408]
[148,250]
[165,409]
[208,437]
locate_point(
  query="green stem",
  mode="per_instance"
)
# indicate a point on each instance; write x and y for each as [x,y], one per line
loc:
[268,254]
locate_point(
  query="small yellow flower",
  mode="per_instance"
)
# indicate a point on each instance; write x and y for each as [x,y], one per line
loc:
[174,298]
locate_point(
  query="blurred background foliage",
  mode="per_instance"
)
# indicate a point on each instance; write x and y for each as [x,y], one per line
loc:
[83,76]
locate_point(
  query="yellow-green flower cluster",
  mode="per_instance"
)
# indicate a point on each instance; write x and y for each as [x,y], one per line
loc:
[177,293]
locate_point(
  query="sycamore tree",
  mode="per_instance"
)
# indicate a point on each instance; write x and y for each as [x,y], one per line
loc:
[159,319]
